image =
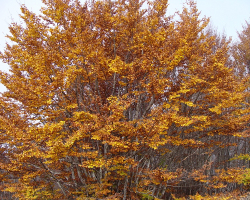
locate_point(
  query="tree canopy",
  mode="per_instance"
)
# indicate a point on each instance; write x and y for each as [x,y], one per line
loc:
[117,100]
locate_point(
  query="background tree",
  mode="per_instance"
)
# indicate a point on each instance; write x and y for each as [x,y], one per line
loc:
[241,51]
[241,61]
[108,99]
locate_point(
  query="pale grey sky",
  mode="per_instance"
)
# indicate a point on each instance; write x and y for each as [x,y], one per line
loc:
[227,16]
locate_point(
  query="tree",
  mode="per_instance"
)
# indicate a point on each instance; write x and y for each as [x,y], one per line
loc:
[241,61]
[241,51]
[108,99]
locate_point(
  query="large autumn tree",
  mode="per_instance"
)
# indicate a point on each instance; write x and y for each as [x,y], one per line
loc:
[113,100]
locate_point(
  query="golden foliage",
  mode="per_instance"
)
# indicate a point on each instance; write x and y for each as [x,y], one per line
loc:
[111,100]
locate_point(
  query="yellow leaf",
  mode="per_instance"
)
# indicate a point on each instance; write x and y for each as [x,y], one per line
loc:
[216,109]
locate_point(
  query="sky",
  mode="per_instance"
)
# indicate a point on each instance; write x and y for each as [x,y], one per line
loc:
[227,16]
